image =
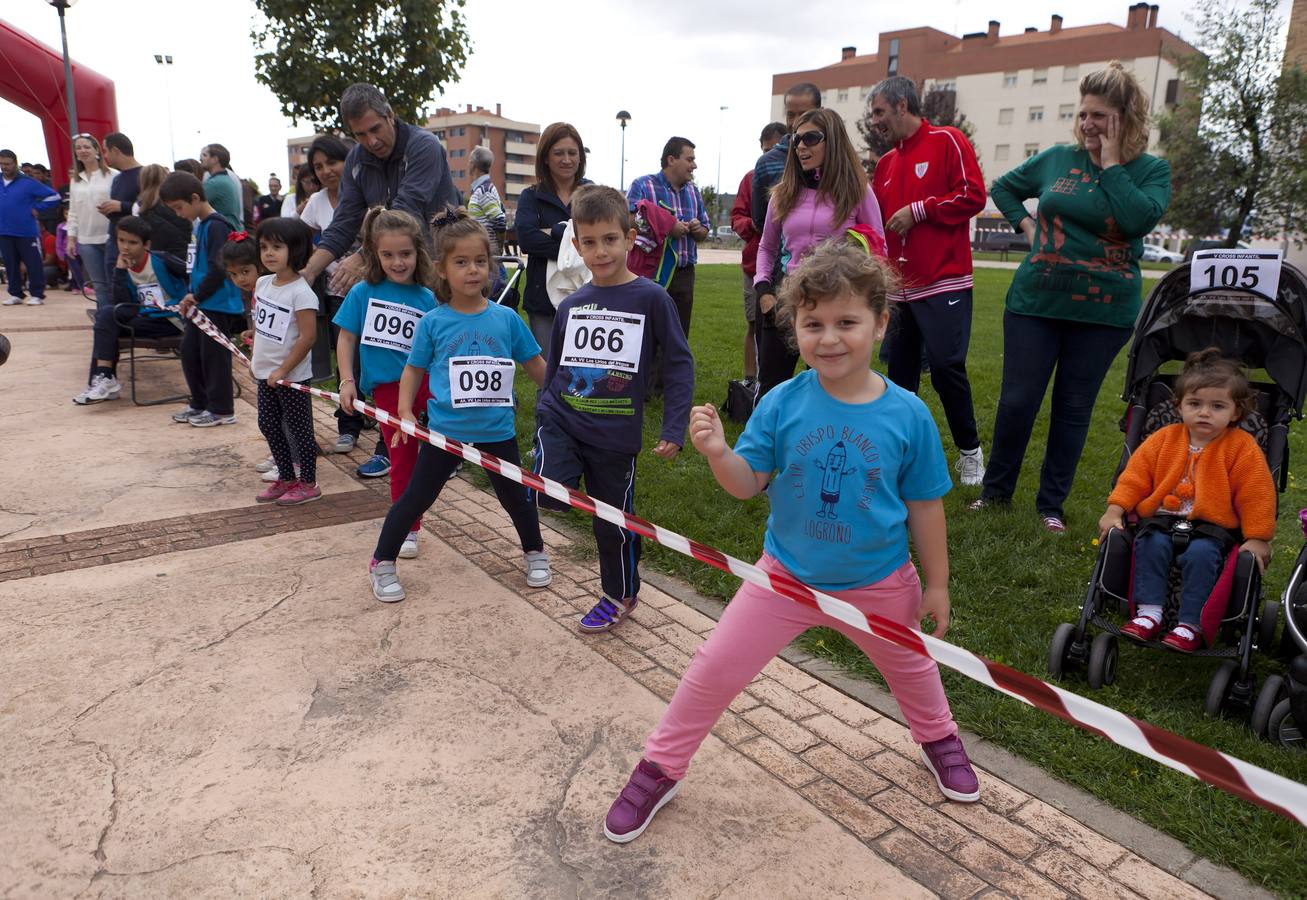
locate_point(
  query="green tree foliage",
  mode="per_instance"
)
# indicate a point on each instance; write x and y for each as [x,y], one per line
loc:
[309,53]
[938,106]
[1237,141]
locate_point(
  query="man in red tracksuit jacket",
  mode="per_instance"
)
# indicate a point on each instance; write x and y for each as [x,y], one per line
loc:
[742,225]
[929,186]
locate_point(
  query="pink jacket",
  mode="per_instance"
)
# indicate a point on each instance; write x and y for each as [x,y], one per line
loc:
[807,225]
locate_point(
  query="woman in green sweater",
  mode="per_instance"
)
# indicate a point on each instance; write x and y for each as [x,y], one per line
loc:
[1074,299]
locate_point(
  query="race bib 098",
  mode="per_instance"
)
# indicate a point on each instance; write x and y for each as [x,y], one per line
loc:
[603,339]
[480,381]
[389,326]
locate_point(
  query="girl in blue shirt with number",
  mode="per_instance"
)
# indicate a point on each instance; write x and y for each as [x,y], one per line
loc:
[378,320]
[465,350]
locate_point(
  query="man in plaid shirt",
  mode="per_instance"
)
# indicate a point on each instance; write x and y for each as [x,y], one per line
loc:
[484,205]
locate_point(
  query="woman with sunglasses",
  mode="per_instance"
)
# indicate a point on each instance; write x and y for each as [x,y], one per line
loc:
[88,231]
[822,193]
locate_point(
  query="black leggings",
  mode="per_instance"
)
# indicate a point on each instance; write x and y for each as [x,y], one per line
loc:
[286,420]
[432,470]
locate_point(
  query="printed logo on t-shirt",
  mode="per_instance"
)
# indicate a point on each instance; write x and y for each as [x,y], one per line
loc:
[921,168]
[841,466]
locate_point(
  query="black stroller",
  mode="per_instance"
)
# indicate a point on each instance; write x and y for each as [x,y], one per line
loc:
[1281,710]
[1267,333]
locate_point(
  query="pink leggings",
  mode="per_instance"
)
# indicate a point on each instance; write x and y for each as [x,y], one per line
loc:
[758,624]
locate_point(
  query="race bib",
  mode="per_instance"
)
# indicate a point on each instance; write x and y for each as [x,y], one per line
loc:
[389,326]
[1257,271]
[271,320]
[480,381]
[150,294]
[603,339]
[190,257]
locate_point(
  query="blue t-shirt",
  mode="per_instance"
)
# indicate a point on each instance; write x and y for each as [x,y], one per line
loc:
[471,396]
[382,349]
[844,472]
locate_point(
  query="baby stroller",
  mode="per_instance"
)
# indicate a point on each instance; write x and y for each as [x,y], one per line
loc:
[1263,332]
[1281,711]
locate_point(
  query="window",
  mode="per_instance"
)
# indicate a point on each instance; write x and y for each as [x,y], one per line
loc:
[515,136]
[440,133]
[457,153]
[457,132]
[1070,73]
[1005,116]
[1031,150]
[843,95]
[1009,79]
[1001,152]
[1173,92]
[1036,114]
[894,56]
[1066,112]
[1040,77]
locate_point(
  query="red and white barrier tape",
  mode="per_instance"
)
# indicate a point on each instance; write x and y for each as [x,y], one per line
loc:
[1245,780]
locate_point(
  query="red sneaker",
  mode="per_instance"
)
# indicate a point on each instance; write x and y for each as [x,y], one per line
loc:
[274,491]
[1141,628]
[1184,638]
[298,493]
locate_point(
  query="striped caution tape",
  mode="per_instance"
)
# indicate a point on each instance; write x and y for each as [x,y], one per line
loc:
[1252,783]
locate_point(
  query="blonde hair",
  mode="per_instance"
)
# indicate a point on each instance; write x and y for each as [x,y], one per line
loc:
[832,270]
[1120,90]
[78,167]
[152,177]
[450,227]
[380,220]
[843,179]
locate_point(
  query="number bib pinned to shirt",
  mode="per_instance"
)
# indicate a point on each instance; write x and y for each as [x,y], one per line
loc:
[271,320]
[480,381]
[603,339]
[150,294]
[390,326]
[190,256]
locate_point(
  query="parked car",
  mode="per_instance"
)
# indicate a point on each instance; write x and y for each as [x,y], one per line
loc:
[1003,242]
[1158,253]
[723,233]
[1208,244]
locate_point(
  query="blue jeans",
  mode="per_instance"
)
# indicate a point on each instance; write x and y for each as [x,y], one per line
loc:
[1200,565]
[93,270]
[1033,347]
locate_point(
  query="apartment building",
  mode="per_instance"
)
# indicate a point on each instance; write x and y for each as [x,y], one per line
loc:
[1021,91]
[512,142]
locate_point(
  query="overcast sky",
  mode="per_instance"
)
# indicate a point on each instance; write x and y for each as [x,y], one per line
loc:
[672,70]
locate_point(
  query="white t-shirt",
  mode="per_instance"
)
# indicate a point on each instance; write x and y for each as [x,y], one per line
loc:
[275,329]
[317,214]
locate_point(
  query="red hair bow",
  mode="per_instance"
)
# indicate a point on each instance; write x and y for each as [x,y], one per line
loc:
[238,236]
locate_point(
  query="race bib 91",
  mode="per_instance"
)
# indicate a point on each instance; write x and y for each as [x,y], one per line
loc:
[150,294]
[603,339]
[271,320]
[389,326]
[480,381]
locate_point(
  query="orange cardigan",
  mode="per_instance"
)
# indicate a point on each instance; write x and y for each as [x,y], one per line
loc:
[1232,483]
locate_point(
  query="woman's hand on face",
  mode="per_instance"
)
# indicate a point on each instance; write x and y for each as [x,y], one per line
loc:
[1110,154]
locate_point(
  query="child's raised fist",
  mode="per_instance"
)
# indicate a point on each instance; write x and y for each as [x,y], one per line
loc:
[706,431]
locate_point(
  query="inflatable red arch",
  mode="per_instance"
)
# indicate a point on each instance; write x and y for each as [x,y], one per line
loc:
[32,78]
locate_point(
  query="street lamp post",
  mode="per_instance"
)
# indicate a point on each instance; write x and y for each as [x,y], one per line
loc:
[162,59]
[623,117]
[721,117]
[62,6]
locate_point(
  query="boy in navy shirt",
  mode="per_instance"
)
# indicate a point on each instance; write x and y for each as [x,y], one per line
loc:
[590,418]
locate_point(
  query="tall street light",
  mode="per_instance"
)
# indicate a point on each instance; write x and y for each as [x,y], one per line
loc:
[721,117]
[623,117]
[162,59]
[62,6]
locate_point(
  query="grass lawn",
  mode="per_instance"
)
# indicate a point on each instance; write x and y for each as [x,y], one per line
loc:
[1012,583]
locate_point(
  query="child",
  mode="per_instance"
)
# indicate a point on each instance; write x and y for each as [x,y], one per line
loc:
[1205,470]
[859,467]
[468,346]
[590,418]
[205,363]
[378,320]
[141,278]
[285,326]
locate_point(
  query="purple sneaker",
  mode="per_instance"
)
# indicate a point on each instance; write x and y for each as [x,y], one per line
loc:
[647,791]
[947,760]
[606,615]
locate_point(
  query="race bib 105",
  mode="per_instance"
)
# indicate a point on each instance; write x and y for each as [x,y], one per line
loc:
[603,339]
[1257,271]
[389,326]
[480,381]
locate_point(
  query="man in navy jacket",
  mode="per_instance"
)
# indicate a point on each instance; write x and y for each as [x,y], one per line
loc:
[394,165]
[20,240]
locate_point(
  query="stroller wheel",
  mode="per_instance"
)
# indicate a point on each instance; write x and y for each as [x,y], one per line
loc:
[1218,692]
[1102,661]
[1273,691]
[1059,660]
[1266,626]
[1284,729]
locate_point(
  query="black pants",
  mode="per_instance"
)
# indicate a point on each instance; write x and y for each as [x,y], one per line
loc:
[1033,347]
[432,470]
[681,289]
[207,365]
[346,422]
[23,251]
[286,420]
[610,477]
[777,359]
[942,324]
[111,321]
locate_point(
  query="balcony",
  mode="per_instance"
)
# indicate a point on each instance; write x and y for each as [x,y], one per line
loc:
[517,168]
[520,147]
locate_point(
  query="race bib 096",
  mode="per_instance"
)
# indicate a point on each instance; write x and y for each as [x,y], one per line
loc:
[603,339]
[389,326]
[480,381]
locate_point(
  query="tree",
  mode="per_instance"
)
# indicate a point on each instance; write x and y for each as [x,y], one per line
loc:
[308,55]
[711,202]
[1237,141]
[940,106]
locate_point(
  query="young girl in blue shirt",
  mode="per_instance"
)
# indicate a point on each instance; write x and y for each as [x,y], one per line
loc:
[853,466]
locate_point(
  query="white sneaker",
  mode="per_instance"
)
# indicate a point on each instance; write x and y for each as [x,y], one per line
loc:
[103,387]
[971,467]
[271,474]
[537,569]
[36,301]
[186,414]
[385,583]
[344,443]
[268,465]
[13,301]
[409,549]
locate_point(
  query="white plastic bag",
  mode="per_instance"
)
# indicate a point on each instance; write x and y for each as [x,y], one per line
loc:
[569,273]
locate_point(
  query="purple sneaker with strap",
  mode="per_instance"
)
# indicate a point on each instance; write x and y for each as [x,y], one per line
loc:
[947,760]
[606,614]
[647,791]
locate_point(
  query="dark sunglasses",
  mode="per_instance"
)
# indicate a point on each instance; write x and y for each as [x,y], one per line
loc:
[809,138]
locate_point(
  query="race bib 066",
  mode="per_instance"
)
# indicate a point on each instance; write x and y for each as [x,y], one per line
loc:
[389,326]
[150,294]
[480,381]
[271,320]
[603,339]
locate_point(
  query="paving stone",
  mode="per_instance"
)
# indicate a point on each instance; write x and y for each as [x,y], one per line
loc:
[1067,833]
[1001,830]
[924,863]
[692,619]
[679,636]
[926,822]
[841,706]
[779,761]
[792,737]
[1152,881]
[637,635]
[648,616]
[669,658]
[743,702]
[782,699]
[893,735]
[845,770]
[795,679]
[993,865]
[1000,796]
[847,809]
[1078,876]
[734,730]
[657,599]
[847,738]
[622,655]
[660,681]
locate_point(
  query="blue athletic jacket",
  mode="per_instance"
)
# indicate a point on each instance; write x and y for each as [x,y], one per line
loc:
[213,292]
[17,200]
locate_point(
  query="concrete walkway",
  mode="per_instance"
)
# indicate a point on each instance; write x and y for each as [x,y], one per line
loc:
[200,698]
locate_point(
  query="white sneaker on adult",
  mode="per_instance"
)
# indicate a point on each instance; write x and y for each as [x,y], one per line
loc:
[267,465]
[971,467]
[102,387]
[36,301]
[409,549]
[272,475]
[12,301]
